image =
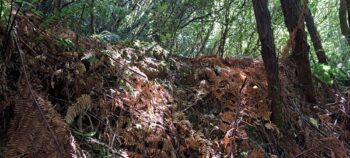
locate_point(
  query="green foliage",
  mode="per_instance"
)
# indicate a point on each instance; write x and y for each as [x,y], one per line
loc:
[193,27]
[324,72]
[107,36]
[30,6]
[328,73]
[86,133]
[68,15]
[65,43]
[4,12]
[2,9]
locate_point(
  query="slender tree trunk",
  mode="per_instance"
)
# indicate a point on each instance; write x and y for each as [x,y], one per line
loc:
[197,42]
[92,17]
[222,43]
[268,53]
[225,29]
[214,50]
[78,28]
[205,40]
[344,25]
[347,4]
[58,5]
[293,18]
[315,38]
[173,44]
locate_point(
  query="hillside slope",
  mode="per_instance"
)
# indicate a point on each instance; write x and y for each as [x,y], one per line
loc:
[64,96]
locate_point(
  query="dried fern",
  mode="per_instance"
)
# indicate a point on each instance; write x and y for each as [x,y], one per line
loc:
[83,103]
[29,136]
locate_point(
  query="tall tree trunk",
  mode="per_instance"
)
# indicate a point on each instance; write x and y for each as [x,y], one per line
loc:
[293,18]
[92,17]
[224,33]
[225,28]
[344,25]
[315,38]
[205,40]
[268,53]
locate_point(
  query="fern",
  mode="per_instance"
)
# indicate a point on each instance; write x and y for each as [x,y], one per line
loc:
[28,135]
[83,103]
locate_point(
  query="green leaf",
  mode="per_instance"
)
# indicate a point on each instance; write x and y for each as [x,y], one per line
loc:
[326,67]
[90,57]
[86,133]
[314,122]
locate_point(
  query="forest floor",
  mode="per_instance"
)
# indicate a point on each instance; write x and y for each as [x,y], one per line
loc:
[63,96]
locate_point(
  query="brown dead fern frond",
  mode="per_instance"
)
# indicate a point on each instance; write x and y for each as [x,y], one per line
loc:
[83,103]
[36,126]
[29,136]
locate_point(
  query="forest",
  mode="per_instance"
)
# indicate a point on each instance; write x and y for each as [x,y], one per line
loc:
[175,78]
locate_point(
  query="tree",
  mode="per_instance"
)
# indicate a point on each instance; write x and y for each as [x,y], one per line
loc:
[268,53]
[228,19]
[315,38]
[293,17]
[92,16]
[344,19]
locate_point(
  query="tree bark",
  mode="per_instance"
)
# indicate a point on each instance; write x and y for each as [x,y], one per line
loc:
[92,17]
[224,33]
[228,19]
[293,18]
[344,25]
[268,53]
[315,38]
[205,40]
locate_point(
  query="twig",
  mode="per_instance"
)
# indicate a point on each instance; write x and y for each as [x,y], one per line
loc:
[243,85]
[95,141]
[193,104]
[35,102]
[304,152]
[304,118]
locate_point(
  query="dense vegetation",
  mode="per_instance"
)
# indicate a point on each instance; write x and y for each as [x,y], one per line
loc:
[86,60]
[194,28]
